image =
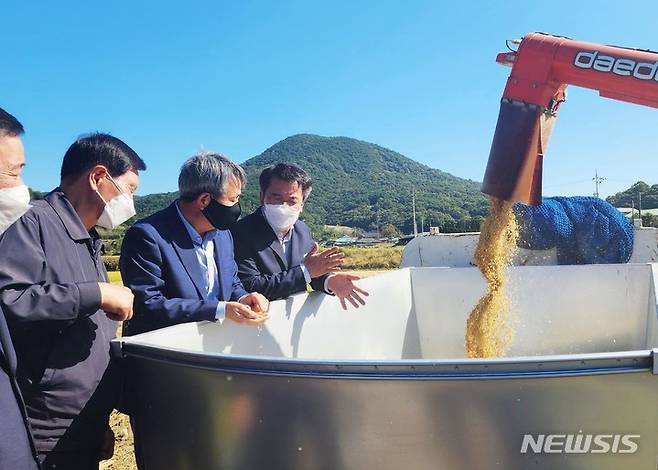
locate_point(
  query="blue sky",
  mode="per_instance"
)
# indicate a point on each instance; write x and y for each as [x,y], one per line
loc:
[419,77]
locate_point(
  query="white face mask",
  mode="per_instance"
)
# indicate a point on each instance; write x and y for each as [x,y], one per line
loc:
[14,202]
[281,216]
[117,211]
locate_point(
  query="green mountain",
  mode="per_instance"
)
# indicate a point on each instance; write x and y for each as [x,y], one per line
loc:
[361,185]
[147,205]
[631,196]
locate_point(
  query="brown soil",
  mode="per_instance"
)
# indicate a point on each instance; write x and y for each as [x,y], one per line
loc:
[488,331]
[124,454]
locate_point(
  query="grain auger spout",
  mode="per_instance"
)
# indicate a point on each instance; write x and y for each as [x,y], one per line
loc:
[542,68]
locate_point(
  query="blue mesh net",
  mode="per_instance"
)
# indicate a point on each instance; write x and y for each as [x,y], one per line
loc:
[585,230]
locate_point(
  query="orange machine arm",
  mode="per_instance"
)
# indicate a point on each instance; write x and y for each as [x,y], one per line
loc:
[542,68]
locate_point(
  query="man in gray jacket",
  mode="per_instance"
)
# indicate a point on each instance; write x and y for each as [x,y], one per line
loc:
[61,310]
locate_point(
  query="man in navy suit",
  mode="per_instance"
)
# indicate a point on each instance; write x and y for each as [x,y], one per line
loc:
[179,262]
[275,251]
[17,450]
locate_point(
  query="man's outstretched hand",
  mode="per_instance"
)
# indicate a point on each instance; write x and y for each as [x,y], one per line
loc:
[345,288]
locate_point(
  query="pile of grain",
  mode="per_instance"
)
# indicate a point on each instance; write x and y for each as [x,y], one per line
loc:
[488,330]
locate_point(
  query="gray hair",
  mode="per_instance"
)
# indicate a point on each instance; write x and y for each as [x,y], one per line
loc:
[207,173]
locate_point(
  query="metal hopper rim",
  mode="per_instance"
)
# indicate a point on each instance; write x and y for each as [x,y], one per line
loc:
[412,369]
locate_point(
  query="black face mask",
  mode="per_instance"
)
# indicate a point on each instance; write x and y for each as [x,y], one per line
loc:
[220,216]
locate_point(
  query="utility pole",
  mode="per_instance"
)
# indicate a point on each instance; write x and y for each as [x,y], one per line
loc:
[422,224]
[413,204]
[597,181]
[639,206]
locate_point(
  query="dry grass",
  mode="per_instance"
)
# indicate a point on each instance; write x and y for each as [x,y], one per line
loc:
[372,258]
[366,272]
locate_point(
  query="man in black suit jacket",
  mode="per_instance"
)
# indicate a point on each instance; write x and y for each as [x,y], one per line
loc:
[17,450]
[275,251]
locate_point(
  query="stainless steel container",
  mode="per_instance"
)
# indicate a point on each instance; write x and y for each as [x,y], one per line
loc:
[387,386]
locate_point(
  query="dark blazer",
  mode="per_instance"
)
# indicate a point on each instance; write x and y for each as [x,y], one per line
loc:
[159,264]
[262,266]
[16,447]
[50,268]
